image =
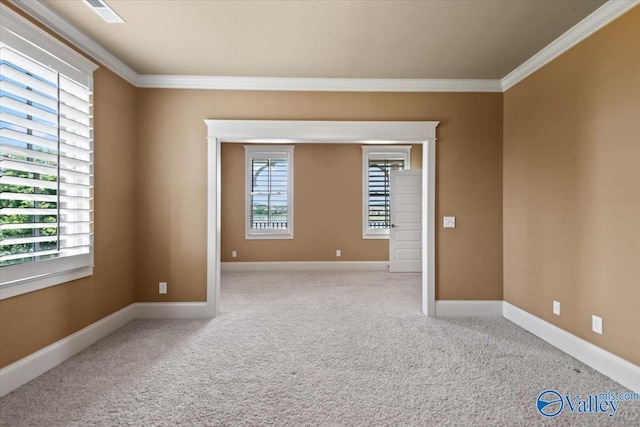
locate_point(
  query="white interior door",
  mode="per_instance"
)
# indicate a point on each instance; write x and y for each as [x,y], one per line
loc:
[405,235]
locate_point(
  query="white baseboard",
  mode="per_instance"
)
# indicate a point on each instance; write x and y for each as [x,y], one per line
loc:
[36,364]
[615,367]
[306,265]
[467,308]
[30,367]
[172,310]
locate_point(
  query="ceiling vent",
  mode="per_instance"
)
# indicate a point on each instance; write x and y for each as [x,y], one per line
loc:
[104,11]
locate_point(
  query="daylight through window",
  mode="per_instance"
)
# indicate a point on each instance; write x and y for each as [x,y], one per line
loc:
[46,161]
[378,162]
[269,191]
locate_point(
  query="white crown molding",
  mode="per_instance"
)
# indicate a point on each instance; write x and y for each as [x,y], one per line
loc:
[318,84]
[64,28]
[602,16]
[50,50]
[592,23]
[615,367]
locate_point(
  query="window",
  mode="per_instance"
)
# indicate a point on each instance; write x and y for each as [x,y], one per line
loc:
[377,163]
[46,160]
[269,192]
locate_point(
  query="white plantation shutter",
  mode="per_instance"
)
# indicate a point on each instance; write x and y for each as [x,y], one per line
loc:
[379,205]
[378,162]
[269,191]
[46,158]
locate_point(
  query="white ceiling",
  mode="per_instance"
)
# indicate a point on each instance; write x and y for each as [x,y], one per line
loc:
[453,39]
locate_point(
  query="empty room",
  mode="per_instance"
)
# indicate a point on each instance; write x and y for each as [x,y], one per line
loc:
[331,213]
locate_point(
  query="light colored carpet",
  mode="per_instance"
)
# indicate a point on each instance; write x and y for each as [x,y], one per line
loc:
[327,349]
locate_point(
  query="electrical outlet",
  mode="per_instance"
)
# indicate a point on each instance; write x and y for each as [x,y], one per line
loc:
[449,222]
[162,288]
[596,324]
[234,254]
[338,252]
[556,308]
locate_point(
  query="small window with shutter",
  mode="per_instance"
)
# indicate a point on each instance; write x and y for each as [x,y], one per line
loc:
[269,191]
[377,164]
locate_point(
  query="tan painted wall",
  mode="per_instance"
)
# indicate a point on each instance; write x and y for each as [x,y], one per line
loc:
[172,174]
[31,321]
[572,189]
[324,175]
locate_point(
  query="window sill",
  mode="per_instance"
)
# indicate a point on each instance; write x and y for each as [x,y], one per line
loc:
[44,281]
[268,236]
[376,236]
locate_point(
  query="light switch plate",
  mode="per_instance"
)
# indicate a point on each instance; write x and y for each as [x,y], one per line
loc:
[556,308]
[449,222]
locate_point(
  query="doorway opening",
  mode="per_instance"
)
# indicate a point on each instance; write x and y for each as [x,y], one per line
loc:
[320,132]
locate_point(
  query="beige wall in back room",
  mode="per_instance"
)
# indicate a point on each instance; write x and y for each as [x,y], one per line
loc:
[172,177]
[572,189]
[327,209]
[31,321]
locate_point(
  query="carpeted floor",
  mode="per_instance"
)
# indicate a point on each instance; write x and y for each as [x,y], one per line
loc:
[305,348]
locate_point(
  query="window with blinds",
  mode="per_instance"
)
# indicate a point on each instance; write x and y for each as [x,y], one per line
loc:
[46,159]
[378,197]
[378,162]
[269,191]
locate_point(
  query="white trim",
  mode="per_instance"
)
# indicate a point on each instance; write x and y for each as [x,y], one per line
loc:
[378,152]
[69,32]
[318,84]
[32,284]
[32,366]
[214,226]
[429,227]
[68,59]
[602,16]
[268,131]
[26,369]
[615,367]
[171,310]
[305,266]
[468,308]
[302,131]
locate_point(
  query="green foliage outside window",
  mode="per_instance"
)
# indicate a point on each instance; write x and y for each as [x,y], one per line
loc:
[15,233]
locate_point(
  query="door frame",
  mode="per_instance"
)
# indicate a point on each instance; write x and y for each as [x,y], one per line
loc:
[320,132]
